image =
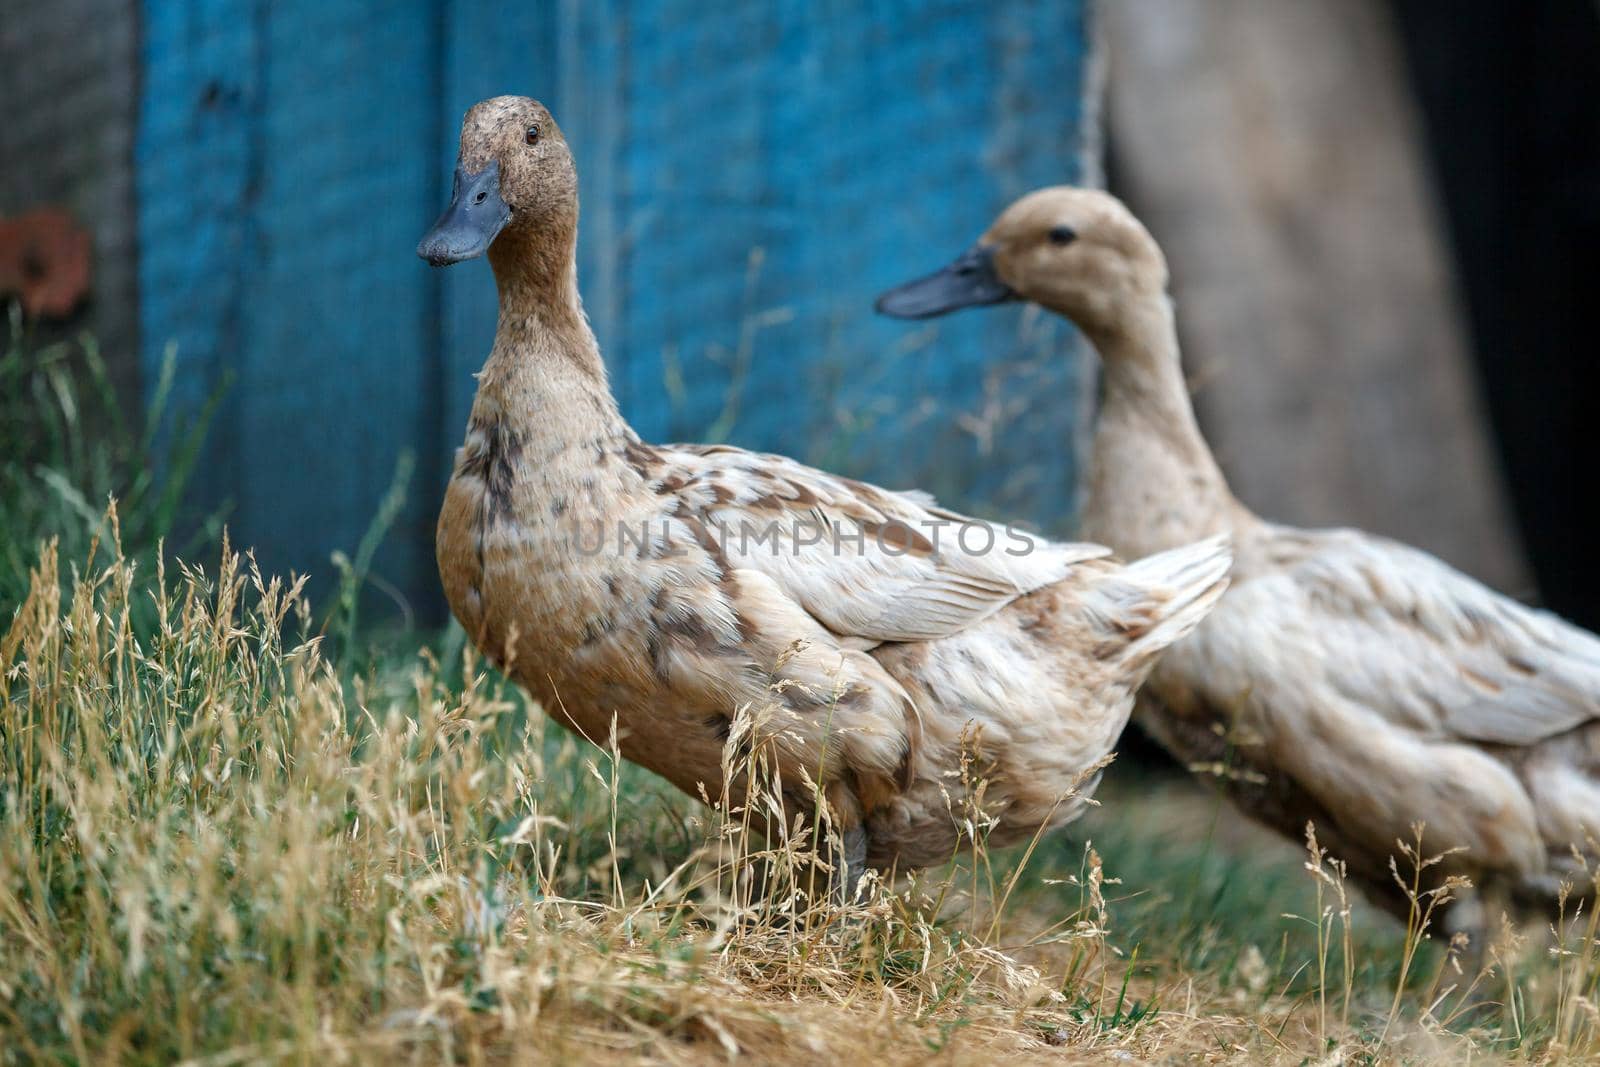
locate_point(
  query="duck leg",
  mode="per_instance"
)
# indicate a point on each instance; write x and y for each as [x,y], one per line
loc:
[850,866]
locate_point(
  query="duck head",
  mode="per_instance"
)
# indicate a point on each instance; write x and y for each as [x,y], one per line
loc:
[1078,252]
[514,177]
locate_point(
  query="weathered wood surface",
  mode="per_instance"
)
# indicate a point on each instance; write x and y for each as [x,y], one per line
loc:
[1274,150]
[68,72]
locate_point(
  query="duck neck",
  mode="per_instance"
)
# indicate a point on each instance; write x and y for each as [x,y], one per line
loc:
[1153,482]
[544,378]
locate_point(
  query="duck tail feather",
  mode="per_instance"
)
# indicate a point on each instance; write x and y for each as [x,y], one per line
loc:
[1158,600]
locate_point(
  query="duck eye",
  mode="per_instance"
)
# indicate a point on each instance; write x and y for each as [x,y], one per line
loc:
[532,136]
[1062,235]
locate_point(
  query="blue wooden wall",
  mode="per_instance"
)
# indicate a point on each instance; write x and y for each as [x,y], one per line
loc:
[751,178]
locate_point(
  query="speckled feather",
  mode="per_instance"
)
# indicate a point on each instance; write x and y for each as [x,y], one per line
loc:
[876,663]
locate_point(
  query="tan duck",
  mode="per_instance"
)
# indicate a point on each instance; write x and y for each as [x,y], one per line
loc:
[1360,683]
[667,586]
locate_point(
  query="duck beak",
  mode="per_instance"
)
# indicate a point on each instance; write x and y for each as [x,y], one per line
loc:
[970,281]
[468,227]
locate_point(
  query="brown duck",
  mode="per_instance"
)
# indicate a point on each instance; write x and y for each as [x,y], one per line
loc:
[666,587]
[1345,679]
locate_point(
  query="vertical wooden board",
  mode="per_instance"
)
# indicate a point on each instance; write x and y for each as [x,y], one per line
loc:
[294,131]
[770,168]
[592,50]
[195,158]
[343,351]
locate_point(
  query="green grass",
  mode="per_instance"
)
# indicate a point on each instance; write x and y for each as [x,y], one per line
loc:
[217,846]
[67,448]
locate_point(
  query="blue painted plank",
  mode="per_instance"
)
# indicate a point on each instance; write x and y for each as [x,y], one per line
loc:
[294,130]
[195,164]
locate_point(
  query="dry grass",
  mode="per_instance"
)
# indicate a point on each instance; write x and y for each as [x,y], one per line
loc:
[218,848]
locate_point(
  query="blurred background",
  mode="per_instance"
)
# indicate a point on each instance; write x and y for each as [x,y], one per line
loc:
[1382,220]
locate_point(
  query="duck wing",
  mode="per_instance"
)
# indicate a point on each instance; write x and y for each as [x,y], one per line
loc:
[869,564]
[1436,651]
